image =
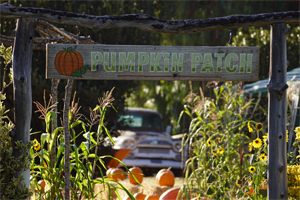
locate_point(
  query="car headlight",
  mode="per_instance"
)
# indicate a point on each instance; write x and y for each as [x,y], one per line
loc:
[177,146]
[129,144]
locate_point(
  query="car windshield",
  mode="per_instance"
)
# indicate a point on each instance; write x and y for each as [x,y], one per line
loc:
[142,120]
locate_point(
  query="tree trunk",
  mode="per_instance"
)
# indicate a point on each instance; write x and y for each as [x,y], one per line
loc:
[277,161]
[22,56]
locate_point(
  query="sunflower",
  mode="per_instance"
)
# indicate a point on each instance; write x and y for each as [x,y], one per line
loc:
[208,142]
[36,145]
[259,126]
[265,138]
[297,129]
[250,146]
[257,143]
[298,136]
[250,128]
[220,151]
[251,169]
[263,157]
[214,153]
[287,136]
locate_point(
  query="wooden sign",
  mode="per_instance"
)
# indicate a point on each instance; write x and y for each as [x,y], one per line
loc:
[126,62]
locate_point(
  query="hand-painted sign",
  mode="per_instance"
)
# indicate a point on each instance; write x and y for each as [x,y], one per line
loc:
[125,62]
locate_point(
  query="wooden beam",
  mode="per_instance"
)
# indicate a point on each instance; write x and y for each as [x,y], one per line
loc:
[22,56]
[150,23]
[277,159]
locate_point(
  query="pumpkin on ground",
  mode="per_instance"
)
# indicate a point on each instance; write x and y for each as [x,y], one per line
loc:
[138,174]
[68,61]
[108,172]
[165,177]
[152,197]
[117,174]
[42,184]
[140,196]
[170,194]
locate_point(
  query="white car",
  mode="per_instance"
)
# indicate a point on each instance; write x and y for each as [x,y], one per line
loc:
[146,143]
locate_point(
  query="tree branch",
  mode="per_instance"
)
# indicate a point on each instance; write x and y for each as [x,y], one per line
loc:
[50,27]
[149,23]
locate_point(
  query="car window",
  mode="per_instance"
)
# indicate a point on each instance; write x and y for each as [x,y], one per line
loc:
[141,120]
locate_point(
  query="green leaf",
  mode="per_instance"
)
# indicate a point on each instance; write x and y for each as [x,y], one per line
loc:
[48,121]
[108,134]
[210,191]
[264,193]
[88,136]
[44,138]
[77,73]
[257,179]
[85,148]
[76,123]
[225,168]
[84,69]
[227,185]
[211,178]
[61,149]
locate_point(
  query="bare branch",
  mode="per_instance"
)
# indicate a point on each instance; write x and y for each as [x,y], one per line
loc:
[149,23]
[45,32]
[56,30]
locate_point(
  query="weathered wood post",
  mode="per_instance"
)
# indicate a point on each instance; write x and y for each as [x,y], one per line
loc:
[68,92]
[54,94]
[277,161]
[22,56]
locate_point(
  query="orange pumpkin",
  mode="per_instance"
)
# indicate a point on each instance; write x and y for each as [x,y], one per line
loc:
[68,61]
[138,174]
[165,177]
[42,184]
[170,194]
[108,172]
[140,196]
[117,174]
[152,197]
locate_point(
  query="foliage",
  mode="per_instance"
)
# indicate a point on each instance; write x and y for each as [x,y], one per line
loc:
[167,10]
[260,37]
[11,167]
[293,169]
[293,174]
[6,54]
[83,162]
[12,186]
[216,142]
[254,184]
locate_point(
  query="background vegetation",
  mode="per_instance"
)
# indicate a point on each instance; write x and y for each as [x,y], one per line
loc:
[165,96]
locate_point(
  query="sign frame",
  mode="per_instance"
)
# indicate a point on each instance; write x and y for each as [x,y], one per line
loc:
[147,62]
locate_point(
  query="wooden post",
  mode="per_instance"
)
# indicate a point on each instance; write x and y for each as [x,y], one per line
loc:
[22,56]
[54,94]
[68,91]
[277,160]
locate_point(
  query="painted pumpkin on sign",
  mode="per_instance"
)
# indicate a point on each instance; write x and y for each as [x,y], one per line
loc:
[68,61]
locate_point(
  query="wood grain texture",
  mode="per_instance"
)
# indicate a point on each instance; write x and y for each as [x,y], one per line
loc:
[277,155]
[150,23]
[21,64]
[159,62]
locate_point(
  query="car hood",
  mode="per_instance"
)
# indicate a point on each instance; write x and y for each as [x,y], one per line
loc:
[141,135]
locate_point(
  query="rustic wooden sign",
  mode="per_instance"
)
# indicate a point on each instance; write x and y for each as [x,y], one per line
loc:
[141,62]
